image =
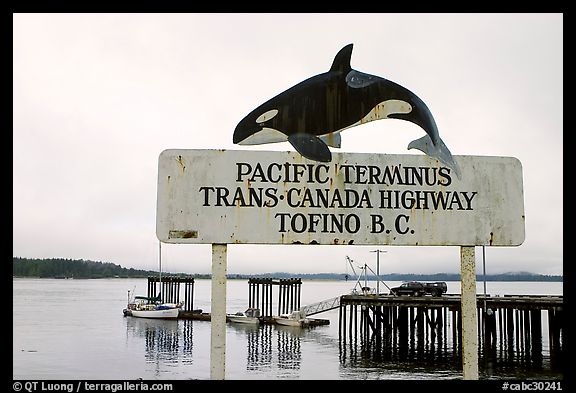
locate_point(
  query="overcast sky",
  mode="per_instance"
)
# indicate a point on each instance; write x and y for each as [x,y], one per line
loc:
[97,97]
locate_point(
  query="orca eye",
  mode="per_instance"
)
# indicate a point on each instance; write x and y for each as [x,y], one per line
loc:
[264,117]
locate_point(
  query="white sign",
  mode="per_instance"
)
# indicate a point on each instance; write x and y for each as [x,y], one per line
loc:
[267,197]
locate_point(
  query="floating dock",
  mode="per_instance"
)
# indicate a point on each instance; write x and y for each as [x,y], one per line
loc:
[260,295]
[202,316]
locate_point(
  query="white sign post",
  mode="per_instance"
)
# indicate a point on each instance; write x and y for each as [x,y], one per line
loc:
[224,197]
[468,312]
[218,312]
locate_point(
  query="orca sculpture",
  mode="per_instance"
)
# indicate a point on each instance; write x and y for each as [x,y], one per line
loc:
[311,114]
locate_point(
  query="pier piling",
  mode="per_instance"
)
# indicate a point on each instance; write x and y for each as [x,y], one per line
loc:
[260,295]
[170,290]
[394,327]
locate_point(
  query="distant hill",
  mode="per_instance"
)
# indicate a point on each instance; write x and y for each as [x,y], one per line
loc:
[521,276]
[70,268]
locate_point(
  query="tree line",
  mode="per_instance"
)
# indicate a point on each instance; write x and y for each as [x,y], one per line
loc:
[70,268]
[74,268]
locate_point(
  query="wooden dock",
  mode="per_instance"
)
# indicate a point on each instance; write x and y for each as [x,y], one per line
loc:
[511,325]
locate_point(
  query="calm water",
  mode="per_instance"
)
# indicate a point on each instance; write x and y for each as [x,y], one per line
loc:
[74,329]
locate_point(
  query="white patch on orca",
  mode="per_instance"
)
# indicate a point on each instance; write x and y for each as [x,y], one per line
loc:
[264,117]
[385,108]
[265,135]
[382,111]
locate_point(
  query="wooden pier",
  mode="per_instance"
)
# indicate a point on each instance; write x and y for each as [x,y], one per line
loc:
[169,290]
[260,295]
[510,326]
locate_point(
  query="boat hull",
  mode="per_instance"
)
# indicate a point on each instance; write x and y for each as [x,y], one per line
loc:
[170,313]
[289,322]
[245,320]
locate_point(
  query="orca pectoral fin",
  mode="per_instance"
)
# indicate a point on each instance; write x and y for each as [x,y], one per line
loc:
[332,140]
[311,147]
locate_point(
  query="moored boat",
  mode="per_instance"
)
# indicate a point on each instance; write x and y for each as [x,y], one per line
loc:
[295,318]
[152,307]
[250,316]
[145,307]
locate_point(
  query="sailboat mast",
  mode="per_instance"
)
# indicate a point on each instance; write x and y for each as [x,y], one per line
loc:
[160,266]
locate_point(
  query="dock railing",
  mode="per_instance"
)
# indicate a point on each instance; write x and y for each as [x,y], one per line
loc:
[324,305]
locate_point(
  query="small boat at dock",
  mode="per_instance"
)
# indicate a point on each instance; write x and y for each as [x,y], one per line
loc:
[250,316]
[145,307]
[152,307]
[295,318]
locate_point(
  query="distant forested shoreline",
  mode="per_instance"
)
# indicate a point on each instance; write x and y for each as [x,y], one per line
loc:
[82,269]
[70,268]
[79,268]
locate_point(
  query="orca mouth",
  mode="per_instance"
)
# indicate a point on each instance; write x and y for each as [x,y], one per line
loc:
[263,136]
[242,132]
[252,130]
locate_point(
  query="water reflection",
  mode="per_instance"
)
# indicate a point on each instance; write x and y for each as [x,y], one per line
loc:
[289,353]
[166,341]
[430,349]
[272,346]
[259,342]
[277,350]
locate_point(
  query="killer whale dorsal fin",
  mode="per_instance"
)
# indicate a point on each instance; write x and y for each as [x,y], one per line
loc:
[311,147]
[342,59]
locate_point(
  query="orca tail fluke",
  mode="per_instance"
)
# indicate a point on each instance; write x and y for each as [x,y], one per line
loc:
[439,151]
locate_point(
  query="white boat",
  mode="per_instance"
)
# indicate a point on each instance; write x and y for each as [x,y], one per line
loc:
[250,316]
[144,307]
[295,318]
[152,307]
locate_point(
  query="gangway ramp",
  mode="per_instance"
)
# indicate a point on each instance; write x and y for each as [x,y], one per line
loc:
[324,305]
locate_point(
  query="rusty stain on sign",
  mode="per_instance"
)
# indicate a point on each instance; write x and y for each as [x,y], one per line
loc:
[182,234]
[181,163]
